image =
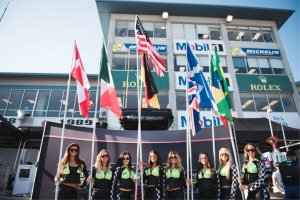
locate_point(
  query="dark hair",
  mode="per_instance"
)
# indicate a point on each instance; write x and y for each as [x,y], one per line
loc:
[120,159]
[66,157]
[290,153]
[150,163]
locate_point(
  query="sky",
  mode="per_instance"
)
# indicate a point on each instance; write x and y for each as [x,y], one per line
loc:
[37,36]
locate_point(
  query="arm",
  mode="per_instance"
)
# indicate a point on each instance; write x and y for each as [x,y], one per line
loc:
[161,183]
[86,175]
[261,177]
[234,184]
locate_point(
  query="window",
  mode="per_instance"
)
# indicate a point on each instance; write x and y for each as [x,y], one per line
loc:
[252,66]
[14,102]
[181,100]
[55,103]
[189,31]
[275,102]
[215,32]
[42,103]
[153,29]
[288,103]
[4,100]
[247,102]
[202,32]
[178,31]
[71,103]
[28,102]
[254,34]
[239,65]
[260,101]
[264,66]
[277,66]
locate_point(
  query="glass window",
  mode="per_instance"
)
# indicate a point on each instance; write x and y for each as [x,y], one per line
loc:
[202,32]
[189,31]
[55,103]
[215,32]
[15,102]
[244,34]
[247,102]
[131,29]
[224,64]
[149,28]
[28,101]
[42,103]
[121,29]
[71,103]
[288,103]
[275,102]
[252,66]
[267,34]
[160,30]
[178,31]
[233,35]
[277,66]
[261,102]
[180,63]
[239,65]
[264,66]
[4,100]
[181,100]
[204,63]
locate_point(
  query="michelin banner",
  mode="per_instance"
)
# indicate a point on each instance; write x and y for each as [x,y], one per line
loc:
[116,141]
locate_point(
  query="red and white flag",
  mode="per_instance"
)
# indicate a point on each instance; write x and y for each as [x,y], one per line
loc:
[146,46]
[82,83]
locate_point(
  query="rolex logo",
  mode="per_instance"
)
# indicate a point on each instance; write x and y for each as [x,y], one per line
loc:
[263,79]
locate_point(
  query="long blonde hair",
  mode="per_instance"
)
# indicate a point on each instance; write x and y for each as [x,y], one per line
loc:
[98,163]
[228,163]
[178,164]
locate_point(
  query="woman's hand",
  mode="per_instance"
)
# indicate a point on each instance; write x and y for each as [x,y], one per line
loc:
[188,182]
[243,187]
[56,179]
[240,180]
[90,180]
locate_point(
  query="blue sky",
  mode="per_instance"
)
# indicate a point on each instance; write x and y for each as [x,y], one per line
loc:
[38,35]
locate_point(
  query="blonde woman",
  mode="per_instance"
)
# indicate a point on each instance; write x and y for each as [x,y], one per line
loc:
[227,175]
[175,182]
[102,176]
[205,178]
[253,174]
[72,174]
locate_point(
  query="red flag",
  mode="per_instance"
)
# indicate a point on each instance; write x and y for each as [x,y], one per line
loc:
[82,83]
[146,46]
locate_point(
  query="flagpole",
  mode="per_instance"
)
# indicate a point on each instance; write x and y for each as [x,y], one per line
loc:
[126,90]
[63,128]
[139,145]
[283,134]
[212,114]
[94,126]
[187,124]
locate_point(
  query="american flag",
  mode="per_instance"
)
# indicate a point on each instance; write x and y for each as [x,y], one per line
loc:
[146,46]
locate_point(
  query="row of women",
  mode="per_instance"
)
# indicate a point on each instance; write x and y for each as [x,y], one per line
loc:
[162,182]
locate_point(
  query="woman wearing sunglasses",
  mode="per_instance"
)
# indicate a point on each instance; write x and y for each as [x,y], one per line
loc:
[72,174]
[205,178]
[153,176]
[123,183]
[226,175]
[102,176]
[253,174]
[175,182]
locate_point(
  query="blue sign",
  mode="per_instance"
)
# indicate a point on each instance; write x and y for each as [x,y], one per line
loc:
[124,47]
[255,52]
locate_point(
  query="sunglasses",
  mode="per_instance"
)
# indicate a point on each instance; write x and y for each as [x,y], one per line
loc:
[103,156]
[73,150]
[224,154]
[173,157]
[126,158]
[252,150]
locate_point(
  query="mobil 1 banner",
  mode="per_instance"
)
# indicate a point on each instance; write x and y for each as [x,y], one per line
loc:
[116,141]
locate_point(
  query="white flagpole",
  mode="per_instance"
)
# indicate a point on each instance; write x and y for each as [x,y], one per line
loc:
[63,129]
[212,114]
[94,122]
[269,118]
[139,144]
[187,123]
[283,134]
[127,78]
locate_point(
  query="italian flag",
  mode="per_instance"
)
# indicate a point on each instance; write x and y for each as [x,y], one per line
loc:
[108,97]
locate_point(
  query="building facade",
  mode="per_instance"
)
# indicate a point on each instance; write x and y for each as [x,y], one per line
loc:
[250,49]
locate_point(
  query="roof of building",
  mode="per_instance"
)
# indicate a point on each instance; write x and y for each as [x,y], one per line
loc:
[279,16]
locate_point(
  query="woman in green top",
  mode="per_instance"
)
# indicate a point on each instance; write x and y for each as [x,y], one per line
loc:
[153,177]
[175,182]
[124,178]
[205,178]
[253,174]
[72,173]
[102,176]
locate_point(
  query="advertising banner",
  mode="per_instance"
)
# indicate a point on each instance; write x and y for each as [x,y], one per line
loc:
[199,47]
[238,51]
[115,142]
[125,47]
